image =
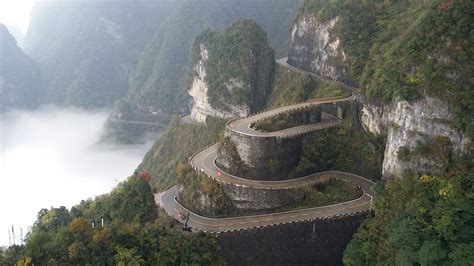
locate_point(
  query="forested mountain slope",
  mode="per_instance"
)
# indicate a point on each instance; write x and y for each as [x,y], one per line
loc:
[128,230]
[88,48]
[20,76]
[413,62]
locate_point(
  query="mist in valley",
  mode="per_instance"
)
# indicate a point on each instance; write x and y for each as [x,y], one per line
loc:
[52,157]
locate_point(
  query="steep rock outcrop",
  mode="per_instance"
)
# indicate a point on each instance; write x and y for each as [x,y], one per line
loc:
[233,72]
[199,88]
[314,47]
[416,85]
[420,135]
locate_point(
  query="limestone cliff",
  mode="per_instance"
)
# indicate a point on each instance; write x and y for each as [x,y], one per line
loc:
[315,47]
[420,135]
[232,73]
[416,85]
[199,91]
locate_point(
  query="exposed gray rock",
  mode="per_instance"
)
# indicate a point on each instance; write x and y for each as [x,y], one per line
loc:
[410,124]
[260,158]
[201,106]
[315,48]
[260,199]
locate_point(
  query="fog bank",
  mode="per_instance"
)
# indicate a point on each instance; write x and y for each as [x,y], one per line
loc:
[50,157]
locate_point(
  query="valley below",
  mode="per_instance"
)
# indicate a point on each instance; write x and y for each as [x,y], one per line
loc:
[52,157]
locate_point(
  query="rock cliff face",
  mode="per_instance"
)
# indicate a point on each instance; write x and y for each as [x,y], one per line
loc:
[420,137]
[233,71]
[314,47]
[199,89]
[420,133]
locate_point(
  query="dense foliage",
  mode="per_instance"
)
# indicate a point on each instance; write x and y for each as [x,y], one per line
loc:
[88,48]
[344,148]
[133,234]
[20,76]
[423,220]
[240,65]
[405,49]
[178,143]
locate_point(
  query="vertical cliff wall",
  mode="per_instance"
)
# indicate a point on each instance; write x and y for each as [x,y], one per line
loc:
[303,243]
[420,135]
[232,73]
[259,158]
[316,48]
[416,86]
[202,108]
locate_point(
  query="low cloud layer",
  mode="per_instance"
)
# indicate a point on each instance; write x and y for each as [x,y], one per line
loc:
[50,157]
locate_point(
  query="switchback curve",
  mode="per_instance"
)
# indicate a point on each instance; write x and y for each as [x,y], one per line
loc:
[204,162]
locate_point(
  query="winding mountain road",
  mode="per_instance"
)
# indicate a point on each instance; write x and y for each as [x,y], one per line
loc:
[284,62]
[216,225]
[244,125]
[133,122]
[204,162]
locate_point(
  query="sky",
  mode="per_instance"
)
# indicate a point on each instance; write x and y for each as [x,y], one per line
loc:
[51,157]
[16,12]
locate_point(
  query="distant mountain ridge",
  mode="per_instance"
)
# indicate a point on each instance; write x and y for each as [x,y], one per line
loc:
[88,48]
[20,76]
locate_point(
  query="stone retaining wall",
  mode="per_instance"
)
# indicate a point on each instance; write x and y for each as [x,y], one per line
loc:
[317,242]
[247,198]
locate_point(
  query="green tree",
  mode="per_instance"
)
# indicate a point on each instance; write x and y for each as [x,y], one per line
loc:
[127,257]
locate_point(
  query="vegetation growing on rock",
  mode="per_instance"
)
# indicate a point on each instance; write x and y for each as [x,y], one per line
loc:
[240,65]
[406,49]
[288,120]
